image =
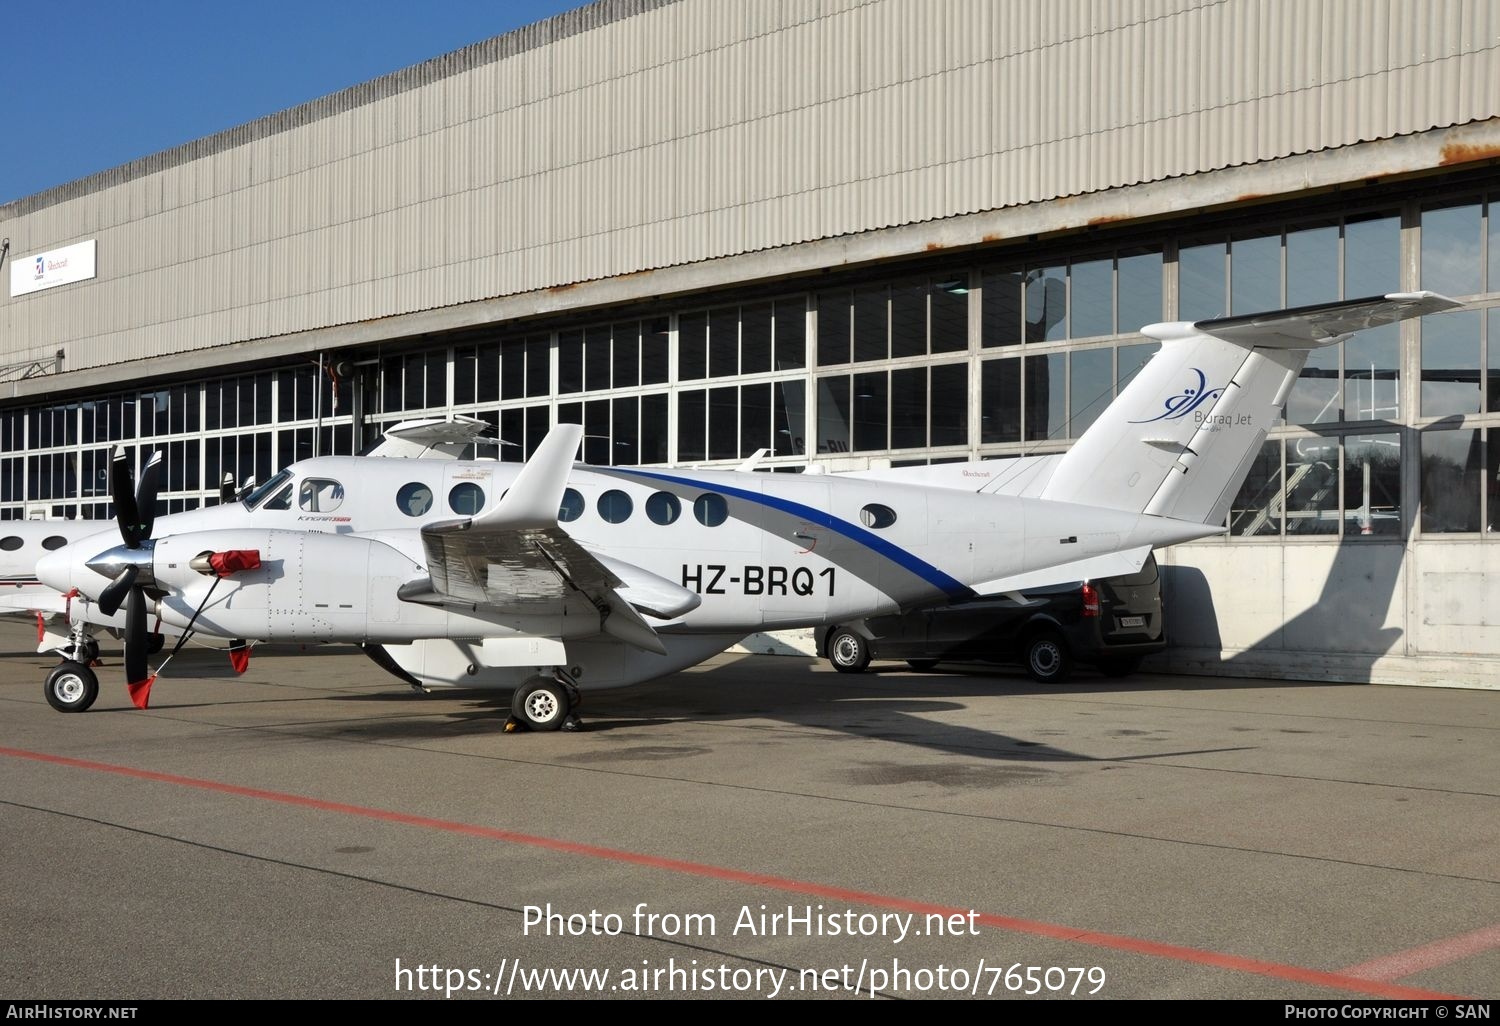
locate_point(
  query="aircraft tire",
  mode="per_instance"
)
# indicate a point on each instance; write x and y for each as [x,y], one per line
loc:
[71,687]
[541,704]
[1048,660]
[847,651]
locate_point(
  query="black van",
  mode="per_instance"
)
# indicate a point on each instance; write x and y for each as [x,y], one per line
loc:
[1111,623]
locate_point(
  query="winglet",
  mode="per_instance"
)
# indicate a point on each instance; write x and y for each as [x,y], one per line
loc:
[534,498]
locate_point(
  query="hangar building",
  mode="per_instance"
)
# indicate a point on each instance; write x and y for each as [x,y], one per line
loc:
[854,232]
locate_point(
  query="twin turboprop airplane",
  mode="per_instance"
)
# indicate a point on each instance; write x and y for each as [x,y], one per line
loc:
[551,578]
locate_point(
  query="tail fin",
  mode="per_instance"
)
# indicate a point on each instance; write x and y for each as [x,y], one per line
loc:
[1179,440]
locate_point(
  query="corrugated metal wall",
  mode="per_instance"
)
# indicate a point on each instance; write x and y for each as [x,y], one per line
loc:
[637,134]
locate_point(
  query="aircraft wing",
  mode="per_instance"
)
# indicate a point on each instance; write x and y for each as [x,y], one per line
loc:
[517,558]
[30,599]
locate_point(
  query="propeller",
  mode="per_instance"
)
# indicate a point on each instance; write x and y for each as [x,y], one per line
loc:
[130,565]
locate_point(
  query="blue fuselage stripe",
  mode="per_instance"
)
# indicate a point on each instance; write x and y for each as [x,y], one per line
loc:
[950,586]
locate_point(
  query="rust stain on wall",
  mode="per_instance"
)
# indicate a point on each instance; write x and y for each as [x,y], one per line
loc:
[1459,153]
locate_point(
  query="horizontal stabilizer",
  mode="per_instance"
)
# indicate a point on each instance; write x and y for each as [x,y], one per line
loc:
[1115,564]
[429,439]
[1308,327]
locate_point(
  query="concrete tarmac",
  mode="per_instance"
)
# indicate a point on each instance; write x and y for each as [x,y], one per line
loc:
[756,827]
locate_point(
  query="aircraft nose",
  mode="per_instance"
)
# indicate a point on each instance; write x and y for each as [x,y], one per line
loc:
[56,568]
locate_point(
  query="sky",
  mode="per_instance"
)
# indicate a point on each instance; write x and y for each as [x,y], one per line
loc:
[96,84]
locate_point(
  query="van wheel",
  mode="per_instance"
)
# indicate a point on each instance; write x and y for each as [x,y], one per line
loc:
[847,651]
[1048,660]
[1120,666]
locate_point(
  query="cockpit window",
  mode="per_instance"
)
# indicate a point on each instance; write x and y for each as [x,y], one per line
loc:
[414,499]
[320,495]
[255,498]
[281,500]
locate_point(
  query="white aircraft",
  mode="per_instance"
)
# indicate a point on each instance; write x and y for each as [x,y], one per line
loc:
[22,543]
[549,578]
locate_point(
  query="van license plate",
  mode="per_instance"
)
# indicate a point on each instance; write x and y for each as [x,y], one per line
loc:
[1132,621]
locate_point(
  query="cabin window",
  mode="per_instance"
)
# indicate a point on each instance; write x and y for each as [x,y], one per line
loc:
[54,542]
[615,506]
[11,543]
[572,506]
[663,508]
[466,498]
[414,499]
[877,516]
[320,495]
[710,509]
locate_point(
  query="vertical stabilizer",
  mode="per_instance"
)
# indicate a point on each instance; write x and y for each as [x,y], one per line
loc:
[1179,440]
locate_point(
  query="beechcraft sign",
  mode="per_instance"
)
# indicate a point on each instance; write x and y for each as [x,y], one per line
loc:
[55,267]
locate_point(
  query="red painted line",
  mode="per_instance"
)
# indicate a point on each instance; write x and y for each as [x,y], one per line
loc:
[1116,942]
[1428,956]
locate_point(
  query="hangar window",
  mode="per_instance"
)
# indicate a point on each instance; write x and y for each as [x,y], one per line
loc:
[877,516]
[54,542]
[572,506]
[414,499]
[663,508]
[615,506]
[320,495]
[11,543]
[466,498]
[710,509]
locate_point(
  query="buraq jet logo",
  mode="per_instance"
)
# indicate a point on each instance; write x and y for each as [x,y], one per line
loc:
[41,269]
[1190,398]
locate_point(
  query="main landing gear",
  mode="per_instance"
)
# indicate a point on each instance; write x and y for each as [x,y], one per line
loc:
[545,703]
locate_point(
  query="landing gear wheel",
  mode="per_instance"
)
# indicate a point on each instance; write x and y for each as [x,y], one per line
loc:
[921,665]
[71,687]
[541,704]
[155,643]
[1048,660]
[847,651]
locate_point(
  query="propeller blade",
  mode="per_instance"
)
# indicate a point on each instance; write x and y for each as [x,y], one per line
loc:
[115,591]
[145,493]
[136,641]
[122,490]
